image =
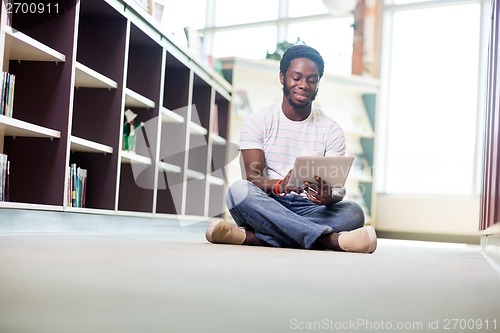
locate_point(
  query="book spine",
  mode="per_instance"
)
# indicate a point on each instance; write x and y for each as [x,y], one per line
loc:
[79,187]
[4,177]
[68,184]
[2,100]
[73,185]
[6,95]
[84,186]
[11,95]
[2,171]
[7,183]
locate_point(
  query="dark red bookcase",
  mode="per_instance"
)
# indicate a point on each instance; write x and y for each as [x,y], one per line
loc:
[76,74]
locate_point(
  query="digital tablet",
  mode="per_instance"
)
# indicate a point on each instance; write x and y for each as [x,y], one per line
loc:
[332,169]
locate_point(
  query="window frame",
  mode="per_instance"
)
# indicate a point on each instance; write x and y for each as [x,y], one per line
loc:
[387,11]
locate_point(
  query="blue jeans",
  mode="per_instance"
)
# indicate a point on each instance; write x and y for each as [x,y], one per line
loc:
[290,221]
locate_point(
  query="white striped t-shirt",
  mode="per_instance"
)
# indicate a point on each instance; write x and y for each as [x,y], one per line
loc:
[282,139]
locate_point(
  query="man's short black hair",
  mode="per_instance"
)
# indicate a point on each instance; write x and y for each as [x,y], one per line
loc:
[301,51]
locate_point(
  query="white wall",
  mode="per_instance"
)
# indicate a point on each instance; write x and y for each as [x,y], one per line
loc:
[434,214]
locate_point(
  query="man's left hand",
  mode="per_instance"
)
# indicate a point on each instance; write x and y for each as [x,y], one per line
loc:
[321,192]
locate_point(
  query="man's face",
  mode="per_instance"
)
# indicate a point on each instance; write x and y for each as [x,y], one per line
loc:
[300,82]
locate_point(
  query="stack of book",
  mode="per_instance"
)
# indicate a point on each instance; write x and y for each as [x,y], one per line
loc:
[7,95]
[4,177]
[77,186]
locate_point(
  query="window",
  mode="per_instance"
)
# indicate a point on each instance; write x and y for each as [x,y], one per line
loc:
[245,29]
[250,43]
[431,85]
[180,14]
[304,8]
[230,12]
[332,38]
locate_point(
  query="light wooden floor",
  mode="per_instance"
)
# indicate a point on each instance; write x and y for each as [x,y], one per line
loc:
[65,274]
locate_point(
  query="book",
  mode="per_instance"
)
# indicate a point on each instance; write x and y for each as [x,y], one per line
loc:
[7,94]
[5,100]
[11,96]
[2,156]
[4,177]
[83,187]
[72,181]
[6,183]
[77,186]
[2,97]
[69,188]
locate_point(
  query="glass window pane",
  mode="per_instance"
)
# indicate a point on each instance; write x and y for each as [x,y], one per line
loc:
[403,2]
[332,38]
[298,8]
[433,100]
[229,12]
[250,43]
[180,14]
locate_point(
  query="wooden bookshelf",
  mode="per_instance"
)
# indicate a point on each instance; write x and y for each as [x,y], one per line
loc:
[130,157]
[18,128]
[162,166]
[19,46]
[75,77]
[217,139]
[86,77]
[87,146]
[133,99]
[169,116]
[196,129]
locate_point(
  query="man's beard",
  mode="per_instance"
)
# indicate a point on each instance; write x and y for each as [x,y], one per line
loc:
[287,94]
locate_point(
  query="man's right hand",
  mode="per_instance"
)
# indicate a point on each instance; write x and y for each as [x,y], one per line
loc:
[287,188]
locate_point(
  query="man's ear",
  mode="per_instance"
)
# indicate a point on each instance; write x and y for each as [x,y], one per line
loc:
[282,78]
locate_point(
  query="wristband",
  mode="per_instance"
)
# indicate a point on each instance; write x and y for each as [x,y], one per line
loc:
[277,188]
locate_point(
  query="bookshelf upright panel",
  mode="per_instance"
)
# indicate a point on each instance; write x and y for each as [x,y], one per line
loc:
[173,139]
[177,82]
[198,152]
[199,126]
[221,150]
[97,103]
[172,168]
[144,67]
[40,55]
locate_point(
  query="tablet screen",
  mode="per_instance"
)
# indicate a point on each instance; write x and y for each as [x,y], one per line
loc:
[332,169]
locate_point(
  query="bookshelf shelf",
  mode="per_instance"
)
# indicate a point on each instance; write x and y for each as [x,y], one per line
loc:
[171,117]
[86,77]
[87,146]
[163,166]
[192,174]
[87,210]
[197,129]
[30,206]
[215,180]
[217,139]
[131,157]
[133,99]
[19,46]
[15,127]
